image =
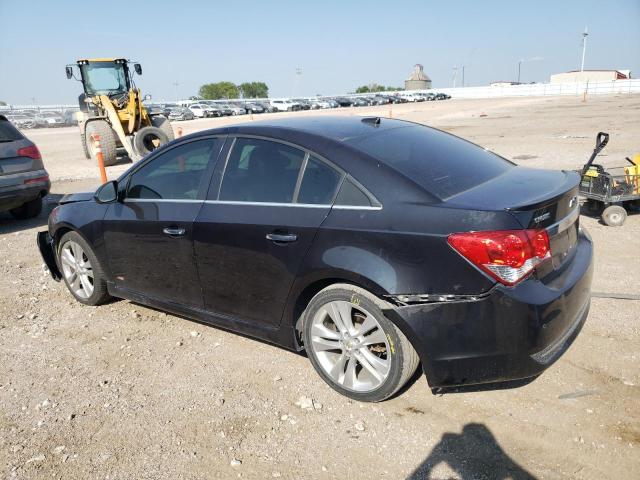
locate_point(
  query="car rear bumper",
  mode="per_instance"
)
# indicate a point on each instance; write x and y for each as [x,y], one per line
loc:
[19,188]
[506,335]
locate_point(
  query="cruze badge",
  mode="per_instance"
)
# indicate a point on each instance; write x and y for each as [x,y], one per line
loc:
[541,218]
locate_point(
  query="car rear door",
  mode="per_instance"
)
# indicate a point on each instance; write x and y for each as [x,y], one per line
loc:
[149,235]
[258,223]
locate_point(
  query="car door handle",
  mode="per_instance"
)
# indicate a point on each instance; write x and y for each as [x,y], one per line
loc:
[282,237]
[174,231]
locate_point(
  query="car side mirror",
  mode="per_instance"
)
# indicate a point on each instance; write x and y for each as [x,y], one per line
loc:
[107,193]
[69,71]
[138,68]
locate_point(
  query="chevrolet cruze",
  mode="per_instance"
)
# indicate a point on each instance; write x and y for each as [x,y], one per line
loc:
[374,245]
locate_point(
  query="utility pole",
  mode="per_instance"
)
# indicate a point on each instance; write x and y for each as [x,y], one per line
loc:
[463,75]
[519,63]
[455,75]
[584,47]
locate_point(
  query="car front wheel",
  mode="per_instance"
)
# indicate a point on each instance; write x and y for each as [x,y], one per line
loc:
[354,347]
[81,270]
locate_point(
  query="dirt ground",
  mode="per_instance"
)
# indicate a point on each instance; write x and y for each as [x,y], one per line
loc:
[125,392]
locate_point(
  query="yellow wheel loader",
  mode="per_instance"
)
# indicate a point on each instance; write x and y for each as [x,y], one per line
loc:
[111,106]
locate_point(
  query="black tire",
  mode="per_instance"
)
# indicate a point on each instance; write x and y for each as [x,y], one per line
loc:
[404,359]
[148,139]
[100,294]
[31,209]
[84,146]
[614,215]
[108,141]
[163,124]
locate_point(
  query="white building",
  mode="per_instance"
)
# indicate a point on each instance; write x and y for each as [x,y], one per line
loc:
[591,76]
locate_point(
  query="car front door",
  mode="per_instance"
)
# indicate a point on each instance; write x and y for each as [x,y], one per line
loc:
[257,225]
[149,234]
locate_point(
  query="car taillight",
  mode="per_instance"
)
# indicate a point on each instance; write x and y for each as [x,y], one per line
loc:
[506,255]
[31,152]
[42,179]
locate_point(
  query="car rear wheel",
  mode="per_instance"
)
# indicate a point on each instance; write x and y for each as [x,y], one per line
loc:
[31,209]
[354,347]
[81,270]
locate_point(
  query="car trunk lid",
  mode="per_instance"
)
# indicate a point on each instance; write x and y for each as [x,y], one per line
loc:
[546,199]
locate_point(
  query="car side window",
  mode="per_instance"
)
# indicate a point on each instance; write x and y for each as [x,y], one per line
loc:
[351,195]
[319,183]
[175,174]
[261,171]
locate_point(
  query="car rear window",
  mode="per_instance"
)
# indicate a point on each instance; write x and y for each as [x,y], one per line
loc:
[441,163]
[8,133]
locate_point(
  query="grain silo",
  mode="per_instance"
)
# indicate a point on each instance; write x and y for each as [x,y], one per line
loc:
[418,80]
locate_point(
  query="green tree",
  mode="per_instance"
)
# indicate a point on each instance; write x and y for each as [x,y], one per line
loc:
[3,104]
[374,87]
[254,89]
[214,91]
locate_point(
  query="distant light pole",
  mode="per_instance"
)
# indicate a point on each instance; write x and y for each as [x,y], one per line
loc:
[584,47]
[455,75]
[176,84]
[297,81]
[463,75]
[519,64]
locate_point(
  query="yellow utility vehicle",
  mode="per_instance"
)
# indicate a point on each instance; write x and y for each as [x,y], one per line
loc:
[613,191]
[112,107]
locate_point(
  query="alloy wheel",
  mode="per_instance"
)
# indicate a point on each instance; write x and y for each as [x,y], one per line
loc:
[350,346]
[77,269]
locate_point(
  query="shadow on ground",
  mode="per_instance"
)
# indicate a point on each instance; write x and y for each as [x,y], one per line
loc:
[473,454]
[8,224]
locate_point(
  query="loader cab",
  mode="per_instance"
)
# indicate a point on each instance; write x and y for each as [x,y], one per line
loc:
[106,76]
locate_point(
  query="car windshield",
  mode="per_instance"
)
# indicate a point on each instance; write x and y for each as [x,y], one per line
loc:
[104,78]
[441,163]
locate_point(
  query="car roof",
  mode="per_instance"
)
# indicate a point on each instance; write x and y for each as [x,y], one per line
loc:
[336,128]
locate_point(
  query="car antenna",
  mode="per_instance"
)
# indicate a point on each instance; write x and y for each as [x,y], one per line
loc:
[375,121]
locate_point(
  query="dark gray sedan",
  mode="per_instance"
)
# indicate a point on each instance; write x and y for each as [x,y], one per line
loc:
[23,180]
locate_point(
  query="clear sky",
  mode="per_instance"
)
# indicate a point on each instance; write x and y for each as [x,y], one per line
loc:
[339,44]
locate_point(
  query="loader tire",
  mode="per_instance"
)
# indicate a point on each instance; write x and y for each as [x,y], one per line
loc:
[84,146]
[107,141]
[148,139]
[163,124]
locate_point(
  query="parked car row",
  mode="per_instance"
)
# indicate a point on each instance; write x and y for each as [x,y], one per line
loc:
[31,118]
[218,108]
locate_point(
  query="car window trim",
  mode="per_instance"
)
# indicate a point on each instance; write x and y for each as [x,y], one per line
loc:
[303,169]
[344,175]
[208,172]
[308,153]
